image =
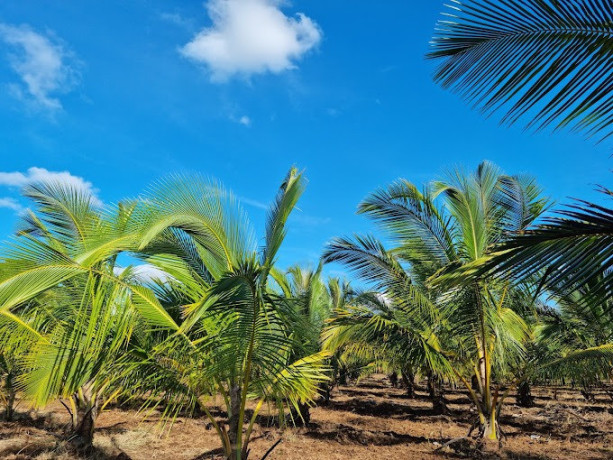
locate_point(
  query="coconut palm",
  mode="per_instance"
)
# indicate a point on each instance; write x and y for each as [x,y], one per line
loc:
[545,60]
[59,289]
[372,327]
[433,241]
[306,290]
[575,339]
[15,346]
[232,331]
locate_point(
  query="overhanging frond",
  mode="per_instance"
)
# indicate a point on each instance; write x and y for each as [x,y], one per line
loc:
[545,60]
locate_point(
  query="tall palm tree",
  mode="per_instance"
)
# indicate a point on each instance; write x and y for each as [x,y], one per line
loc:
[433,241]
[545,60]
[232,332]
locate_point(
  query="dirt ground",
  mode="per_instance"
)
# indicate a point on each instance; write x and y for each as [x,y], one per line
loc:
[368,421]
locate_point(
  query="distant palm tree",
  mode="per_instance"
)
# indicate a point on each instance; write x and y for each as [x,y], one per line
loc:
[545,60]
[382,330]
[577,338]
[306,290]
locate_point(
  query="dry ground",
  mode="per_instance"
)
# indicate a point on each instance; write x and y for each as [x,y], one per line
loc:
[369,421]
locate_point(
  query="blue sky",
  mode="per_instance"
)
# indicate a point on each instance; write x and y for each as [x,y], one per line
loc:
[117,94]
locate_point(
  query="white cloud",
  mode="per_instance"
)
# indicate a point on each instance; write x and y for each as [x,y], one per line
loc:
[253,203]
[145,273]
[36,175]
[251,37]
[41,63]
[10,203]
[178,20]
[245,120]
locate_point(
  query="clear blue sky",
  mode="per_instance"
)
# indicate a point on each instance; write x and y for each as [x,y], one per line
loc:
[120,93]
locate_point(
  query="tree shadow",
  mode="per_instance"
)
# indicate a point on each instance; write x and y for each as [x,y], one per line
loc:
[379,409]
[46,448]
[345,434]
[116,428]
[210,454]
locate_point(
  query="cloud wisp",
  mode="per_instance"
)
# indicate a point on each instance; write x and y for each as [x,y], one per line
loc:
[250,37]
[42,63]
[40,175]
[10,203]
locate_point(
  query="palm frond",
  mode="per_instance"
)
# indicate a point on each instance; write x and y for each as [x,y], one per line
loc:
[573,248]
[545,60]
[413,220]
[289,193]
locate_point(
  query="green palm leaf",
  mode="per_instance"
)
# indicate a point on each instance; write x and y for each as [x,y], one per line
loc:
[549,60]
[572,248]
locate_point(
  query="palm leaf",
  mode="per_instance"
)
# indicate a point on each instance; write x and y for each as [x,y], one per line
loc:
[289,193]
[573,248]
[546,60]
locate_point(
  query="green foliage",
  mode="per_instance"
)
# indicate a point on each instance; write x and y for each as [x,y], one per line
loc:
[546,60]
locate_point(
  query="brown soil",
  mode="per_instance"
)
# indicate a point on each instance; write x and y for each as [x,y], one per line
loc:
[369,421]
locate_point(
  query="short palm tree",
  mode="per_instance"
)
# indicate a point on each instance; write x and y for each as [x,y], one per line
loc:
[232,330]
[434,241]
[576,339]
[59,290]
[374,328]
[307,291]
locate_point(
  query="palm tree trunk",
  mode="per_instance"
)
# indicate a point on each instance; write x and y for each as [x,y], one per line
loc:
[393,379]
[233,421]
[342,376]
[327,394]
[524,396]
[302,417]
[84,415]
[435,391]
[408,378]
[10,398]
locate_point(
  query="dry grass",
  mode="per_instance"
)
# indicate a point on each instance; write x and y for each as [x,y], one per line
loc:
[364,422]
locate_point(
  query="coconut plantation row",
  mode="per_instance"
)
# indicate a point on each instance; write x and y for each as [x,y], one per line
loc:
[475,319]
[464,289]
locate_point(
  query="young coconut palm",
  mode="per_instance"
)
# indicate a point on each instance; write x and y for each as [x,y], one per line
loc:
[232,333]
[477,211]
[16,341]
[576,339]
[372,326]
[306,290]
[60,270]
